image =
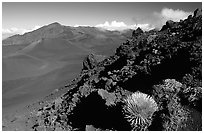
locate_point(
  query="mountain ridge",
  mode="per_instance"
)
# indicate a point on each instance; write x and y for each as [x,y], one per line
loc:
[50,31]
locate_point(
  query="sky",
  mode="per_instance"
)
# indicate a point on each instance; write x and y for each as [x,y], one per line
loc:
[21,17]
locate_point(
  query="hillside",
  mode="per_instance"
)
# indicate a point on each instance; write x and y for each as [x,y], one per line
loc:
[162,70]
[36,63]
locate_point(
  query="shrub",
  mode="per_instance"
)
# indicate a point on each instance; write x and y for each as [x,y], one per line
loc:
[169,96]
[192,96]
[166,91]
[138,110]
[172,85]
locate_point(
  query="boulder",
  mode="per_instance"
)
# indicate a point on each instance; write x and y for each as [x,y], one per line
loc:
[90,128]
[91,61]
[108,97]
[169,25]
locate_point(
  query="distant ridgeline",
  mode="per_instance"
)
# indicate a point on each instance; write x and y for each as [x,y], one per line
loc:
[152,82]
[56,30]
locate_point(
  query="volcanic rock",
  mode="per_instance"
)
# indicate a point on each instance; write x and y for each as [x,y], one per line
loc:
[91,61]
[197,13]
[137,32]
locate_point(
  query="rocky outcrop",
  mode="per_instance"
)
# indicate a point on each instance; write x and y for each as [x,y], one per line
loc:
[165,65]
[137,32]
[197,13]
[91,61]
[169,25]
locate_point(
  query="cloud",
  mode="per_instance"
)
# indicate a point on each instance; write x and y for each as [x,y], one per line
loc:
[114,25]
[145,27]
[78,25]
[18,30]
[169,14]
[12,31]
[175,15]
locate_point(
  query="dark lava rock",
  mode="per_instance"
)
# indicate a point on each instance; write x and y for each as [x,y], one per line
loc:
[197,13]
[91,61]
[165,64]
[170,25]
[137,32]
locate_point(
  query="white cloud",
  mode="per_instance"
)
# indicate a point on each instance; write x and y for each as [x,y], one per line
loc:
[175,15]
[78,25]
[170,14]
[114,25]
[145,27]
[12,31]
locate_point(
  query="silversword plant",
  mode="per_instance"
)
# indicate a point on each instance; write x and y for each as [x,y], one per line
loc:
[138,110]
